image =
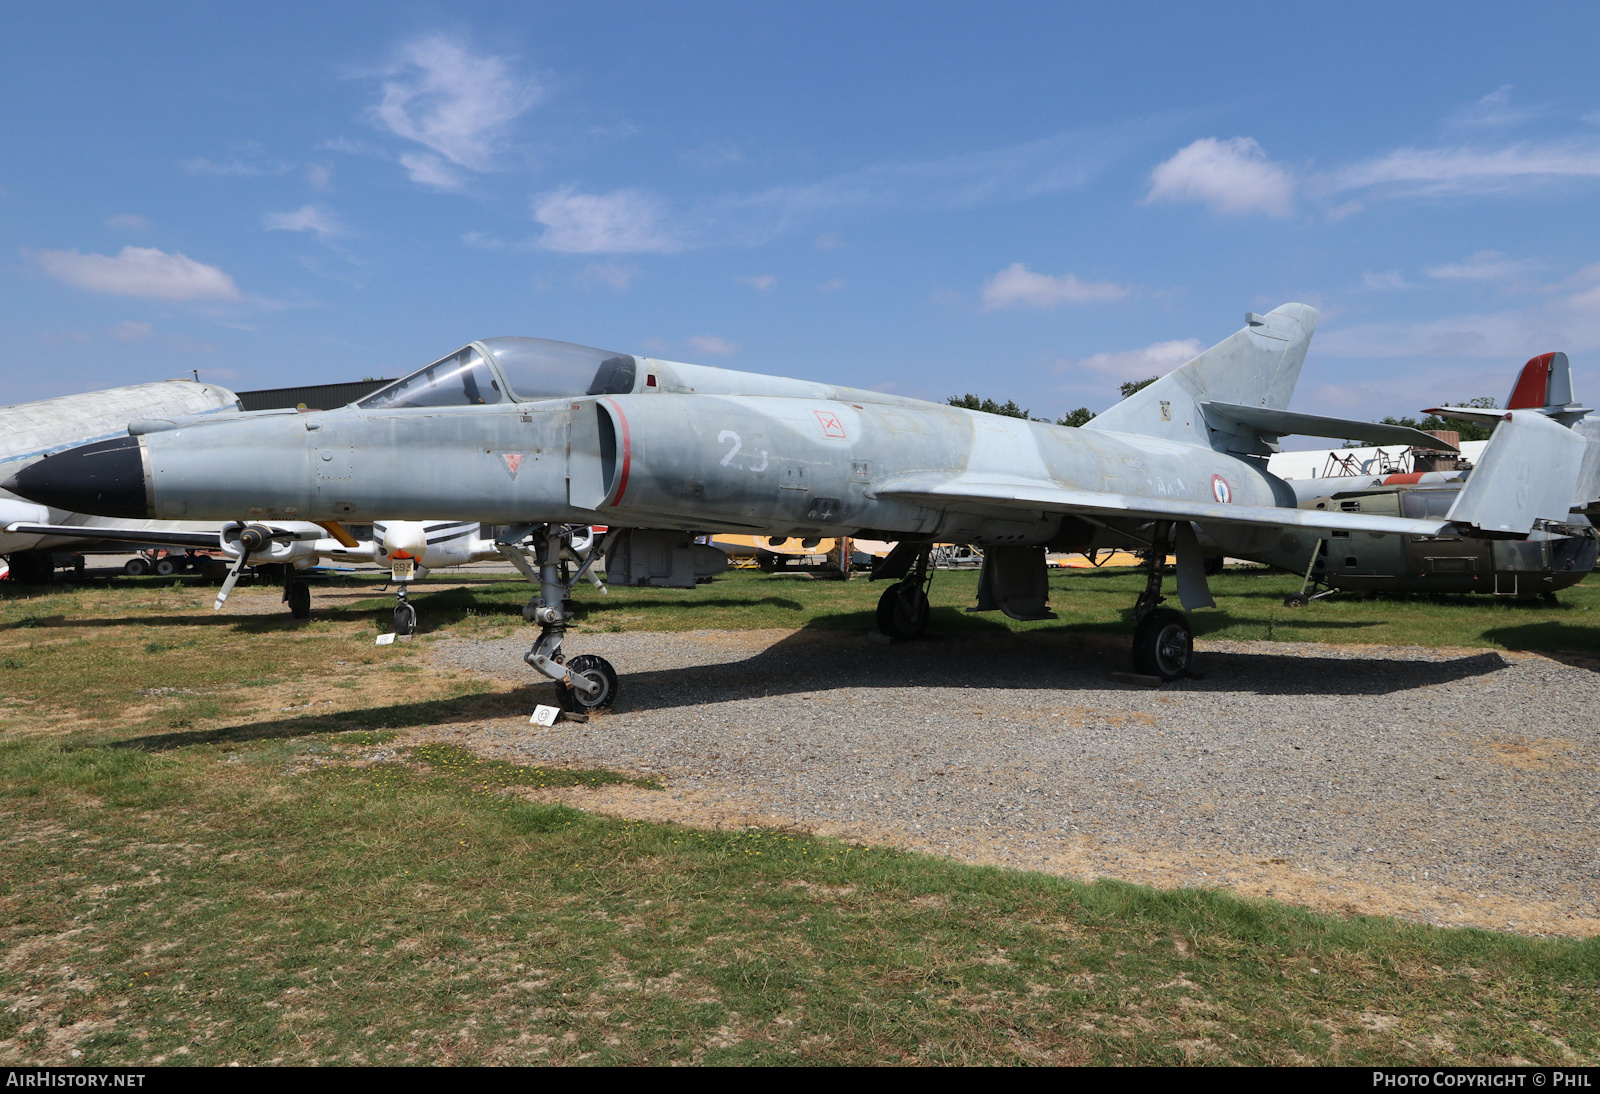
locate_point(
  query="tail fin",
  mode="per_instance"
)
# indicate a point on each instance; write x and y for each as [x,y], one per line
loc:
[1531,470]
[1545,381]
[1258,366]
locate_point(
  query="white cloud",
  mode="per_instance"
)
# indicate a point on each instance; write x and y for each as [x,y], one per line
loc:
[1139,364]
[833,284]
[829,241]
[307,218]
[131,222]
[1437,171]
[761,281]
[250,159]
[1232,176]
[1015,172]
[1568,319]
[430,170]
[1493,111]
[140,271]
[444,97]
[1016,284]
[1481,266]
[707,343]
[608,273]
[1382,282]
[319,175]
[131,330]
[623,221]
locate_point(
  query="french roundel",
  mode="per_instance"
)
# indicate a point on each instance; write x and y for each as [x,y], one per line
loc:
[1220,488]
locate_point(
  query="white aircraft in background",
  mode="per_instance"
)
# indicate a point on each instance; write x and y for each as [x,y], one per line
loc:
[31,431]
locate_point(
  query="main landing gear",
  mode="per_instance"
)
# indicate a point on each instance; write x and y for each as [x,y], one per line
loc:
[1163,645]
[586,683]
[903,608]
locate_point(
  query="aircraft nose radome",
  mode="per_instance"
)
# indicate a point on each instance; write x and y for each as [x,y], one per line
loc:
[105,478]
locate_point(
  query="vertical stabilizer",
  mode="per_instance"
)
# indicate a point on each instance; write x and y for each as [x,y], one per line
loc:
[1258,366]
[1545,381]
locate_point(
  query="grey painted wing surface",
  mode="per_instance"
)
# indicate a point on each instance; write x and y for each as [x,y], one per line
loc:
[1030,496]
[1285,422]
[1530,471]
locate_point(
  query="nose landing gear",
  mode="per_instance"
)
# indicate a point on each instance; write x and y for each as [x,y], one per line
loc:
[405,615]
[587,683]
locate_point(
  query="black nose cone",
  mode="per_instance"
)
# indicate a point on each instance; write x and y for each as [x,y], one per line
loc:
[105,478]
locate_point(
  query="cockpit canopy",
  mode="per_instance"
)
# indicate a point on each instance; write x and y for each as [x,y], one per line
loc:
[519,369]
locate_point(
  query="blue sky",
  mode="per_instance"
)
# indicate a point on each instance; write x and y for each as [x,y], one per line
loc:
[1025,201]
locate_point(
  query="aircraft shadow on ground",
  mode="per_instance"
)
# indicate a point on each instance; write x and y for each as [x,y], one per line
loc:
[820,659]
[431,712]
[1556,639]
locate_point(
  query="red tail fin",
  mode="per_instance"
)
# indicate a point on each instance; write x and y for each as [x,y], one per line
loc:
[1531,390]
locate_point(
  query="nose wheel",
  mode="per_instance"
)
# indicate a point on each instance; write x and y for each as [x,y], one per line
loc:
[405,619]
[594,672]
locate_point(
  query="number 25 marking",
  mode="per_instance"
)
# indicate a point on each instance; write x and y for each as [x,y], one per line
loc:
[729,435]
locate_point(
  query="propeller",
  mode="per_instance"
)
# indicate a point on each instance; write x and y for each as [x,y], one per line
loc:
[252,538]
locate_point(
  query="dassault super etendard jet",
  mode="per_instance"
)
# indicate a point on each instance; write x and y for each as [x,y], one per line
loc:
[541,435]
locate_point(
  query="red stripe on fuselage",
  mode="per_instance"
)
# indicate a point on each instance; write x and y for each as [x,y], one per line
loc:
[1410,479]
[627,453]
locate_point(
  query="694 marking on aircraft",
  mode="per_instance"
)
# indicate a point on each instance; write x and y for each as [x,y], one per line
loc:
[662,451]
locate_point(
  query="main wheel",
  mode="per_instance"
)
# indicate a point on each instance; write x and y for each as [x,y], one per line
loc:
[137,566]
[405,619]
[1163,644]
[165,567]
[903,611]
[597,670]
[1296,600]
[297,594]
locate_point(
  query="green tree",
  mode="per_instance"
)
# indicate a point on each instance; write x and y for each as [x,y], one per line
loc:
[1132,386]
[1076,417]
[971,402]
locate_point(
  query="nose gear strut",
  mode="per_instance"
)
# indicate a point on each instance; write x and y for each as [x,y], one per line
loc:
[587,683]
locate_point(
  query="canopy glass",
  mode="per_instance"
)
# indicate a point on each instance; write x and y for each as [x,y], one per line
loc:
[523,369]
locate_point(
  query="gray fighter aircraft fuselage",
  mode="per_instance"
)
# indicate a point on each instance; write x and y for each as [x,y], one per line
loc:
[537,434]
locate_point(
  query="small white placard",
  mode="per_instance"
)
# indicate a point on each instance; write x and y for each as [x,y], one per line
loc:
[544,716]
[402,569]
[385,639]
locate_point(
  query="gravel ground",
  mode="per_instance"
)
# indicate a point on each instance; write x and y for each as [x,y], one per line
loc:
[1451,786]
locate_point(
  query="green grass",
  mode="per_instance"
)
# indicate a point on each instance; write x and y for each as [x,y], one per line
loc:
[224,841]
[332,900]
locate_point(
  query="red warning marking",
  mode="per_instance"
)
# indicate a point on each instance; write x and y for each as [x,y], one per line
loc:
[830,424]
[513,462]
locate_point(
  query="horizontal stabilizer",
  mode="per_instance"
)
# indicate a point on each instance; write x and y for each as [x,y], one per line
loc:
[1467,414]
[1267,421]
[1003,494]
[1529,472]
